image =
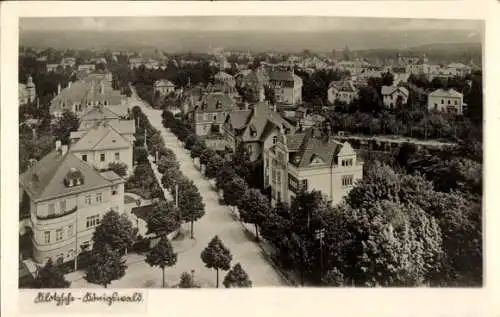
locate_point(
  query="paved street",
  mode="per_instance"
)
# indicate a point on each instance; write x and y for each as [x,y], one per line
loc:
[218,220]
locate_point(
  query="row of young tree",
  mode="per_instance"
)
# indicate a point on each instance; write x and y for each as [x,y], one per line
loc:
[394,229]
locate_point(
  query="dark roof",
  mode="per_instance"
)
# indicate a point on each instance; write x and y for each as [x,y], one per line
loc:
[239,118]
[262,121]
[281,75]
[45,179]
[209,103]
[312,146]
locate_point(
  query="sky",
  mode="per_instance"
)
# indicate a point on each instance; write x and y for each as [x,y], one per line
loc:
[212,23]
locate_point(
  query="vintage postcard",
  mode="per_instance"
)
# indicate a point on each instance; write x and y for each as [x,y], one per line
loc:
[274,154]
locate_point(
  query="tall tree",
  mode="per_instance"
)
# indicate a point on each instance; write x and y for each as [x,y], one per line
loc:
[105,266]
[216,256]
[163,219]
[162,255]
[50,276]
[241,162]
[237,277]
[114,230]
[254,208]
[234,191]
[120,169]
[214,164]
[63,127]
[190,203]
[224,175]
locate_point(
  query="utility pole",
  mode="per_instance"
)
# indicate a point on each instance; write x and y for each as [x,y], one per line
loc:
[319,235]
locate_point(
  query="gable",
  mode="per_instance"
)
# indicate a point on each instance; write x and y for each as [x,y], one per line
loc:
[112,140]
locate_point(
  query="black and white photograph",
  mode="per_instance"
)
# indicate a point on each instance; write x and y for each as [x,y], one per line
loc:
[250,151]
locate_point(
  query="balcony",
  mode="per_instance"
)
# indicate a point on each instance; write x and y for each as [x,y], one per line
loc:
[48,217]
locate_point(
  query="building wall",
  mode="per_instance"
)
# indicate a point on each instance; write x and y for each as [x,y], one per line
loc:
[94,157]
[87,205]
[203,121]
[344,96]
[442,103]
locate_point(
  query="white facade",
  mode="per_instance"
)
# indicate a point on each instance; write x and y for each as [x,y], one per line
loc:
[446,101]
[391,95]
[60,237]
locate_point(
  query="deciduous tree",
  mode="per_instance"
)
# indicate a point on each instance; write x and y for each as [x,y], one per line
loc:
[50,276]
[254,208]
[237,277]
[105,266]
[114,230]
[162,255]
[163,219]
[216,256]
[234,191]
[190,203]
[67,123]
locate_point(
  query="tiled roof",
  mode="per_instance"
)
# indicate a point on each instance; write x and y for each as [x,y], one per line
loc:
[99,113]
[123,126]
[315,146]
[446,93]
[262,121]
[45,179]
[209,102]
[281,75]
[239,118]
[120,110]
[389,90]
[103,137]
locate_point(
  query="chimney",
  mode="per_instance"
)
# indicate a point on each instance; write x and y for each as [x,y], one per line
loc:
[58,145]
[64,150]
[58,88]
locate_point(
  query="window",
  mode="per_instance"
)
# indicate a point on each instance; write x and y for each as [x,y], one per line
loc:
[88,200]
[46,236]
[347,180]
[215,117]
[51,209]
[62,205]
[117,156]
[449,102]
[442,101]
[273,176]
[114,190]
[70,230]
[304,184]
[456,102]
[278,196]
[71,253]
[92,221]
[59,234]
[84,157]
[275,139]
[98,198]
[278,177]
[103,157]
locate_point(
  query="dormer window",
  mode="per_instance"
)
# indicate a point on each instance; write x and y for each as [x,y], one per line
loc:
[218,105]
[275,139]
[73,178]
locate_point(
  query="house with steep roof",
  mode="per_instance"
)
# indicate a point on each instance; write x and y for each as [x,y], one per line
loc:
[210,112]
[310,160]
[91,91]
[64,199]
[256,129]
[163,87]
[342,91]
[104,144]
[99,114]
[446,100]
[287,86]
[392,96]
